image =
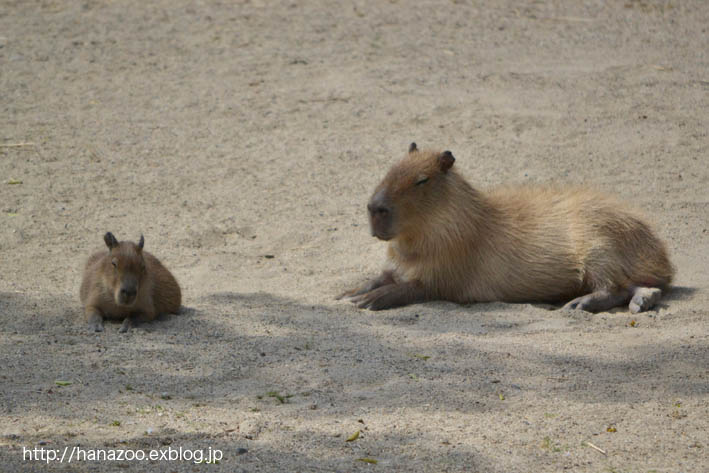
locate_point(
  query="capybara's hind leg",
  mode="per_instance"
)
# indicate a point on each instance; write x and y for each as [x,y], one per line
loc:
[644,298]
[600,300]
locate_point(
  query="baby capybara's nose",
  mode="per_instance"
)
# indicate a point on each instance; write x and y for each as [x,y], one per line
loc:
[128,292]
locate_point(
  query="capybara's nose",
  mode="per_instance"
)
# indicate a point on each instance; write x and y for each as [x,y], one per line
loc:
[128,292]
[378,209]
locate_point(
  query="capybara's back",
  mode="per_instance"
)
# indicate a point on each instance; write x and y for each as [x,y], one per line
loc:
[566,242]
[167,296]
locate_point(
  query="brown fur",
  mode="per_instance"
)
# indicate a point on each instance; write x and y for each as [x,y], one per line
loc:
[126,267]
[450,241]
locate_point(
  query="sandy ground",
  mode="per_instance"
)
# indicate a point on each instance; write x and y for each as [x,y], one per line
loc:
[230,132]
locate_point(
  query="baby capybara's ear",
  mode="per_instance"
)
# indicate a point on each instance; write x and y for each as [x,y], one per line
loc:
[110,240]
[141,243]
[412,148]
[445,161]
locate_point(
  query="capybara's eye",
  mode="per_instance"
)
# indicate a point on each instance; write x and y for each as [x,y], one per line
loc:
[114,263]
[422,181]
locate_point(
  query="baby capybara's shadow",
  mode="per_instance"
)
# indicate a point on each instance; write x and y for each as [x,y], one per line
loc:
[160,322]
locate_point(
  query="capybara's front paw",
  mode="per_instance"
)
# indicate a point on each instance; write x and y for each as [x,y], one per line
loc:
[385,279]
[378,299]
[357,291]
[126,325]
[95,322]
[96,326]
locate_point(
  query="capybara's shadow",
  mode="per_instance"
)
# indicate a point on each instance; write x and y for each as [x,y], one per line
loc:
[162,320]
[679,293]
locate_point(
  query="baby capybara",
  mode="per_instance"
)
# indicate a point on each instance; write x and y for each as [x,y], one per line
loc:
[449,241]
[126,283]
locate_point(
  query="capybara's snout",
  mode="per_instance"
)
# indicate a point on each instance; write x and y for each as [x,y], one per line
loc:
[380,216]
[127,292]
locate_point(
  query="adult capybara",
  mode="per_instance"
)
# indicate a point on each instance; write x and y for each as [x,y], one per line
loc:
[126,283]
[449,241]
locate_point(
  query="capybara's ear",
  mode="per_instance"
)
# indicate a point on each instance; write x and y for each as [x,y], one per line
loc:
[412,148]
[141,243]
[445,161]
[110,240]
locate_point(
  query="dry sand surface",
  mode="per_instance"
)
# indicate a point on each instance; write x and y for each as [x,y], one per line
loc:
[243,140]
